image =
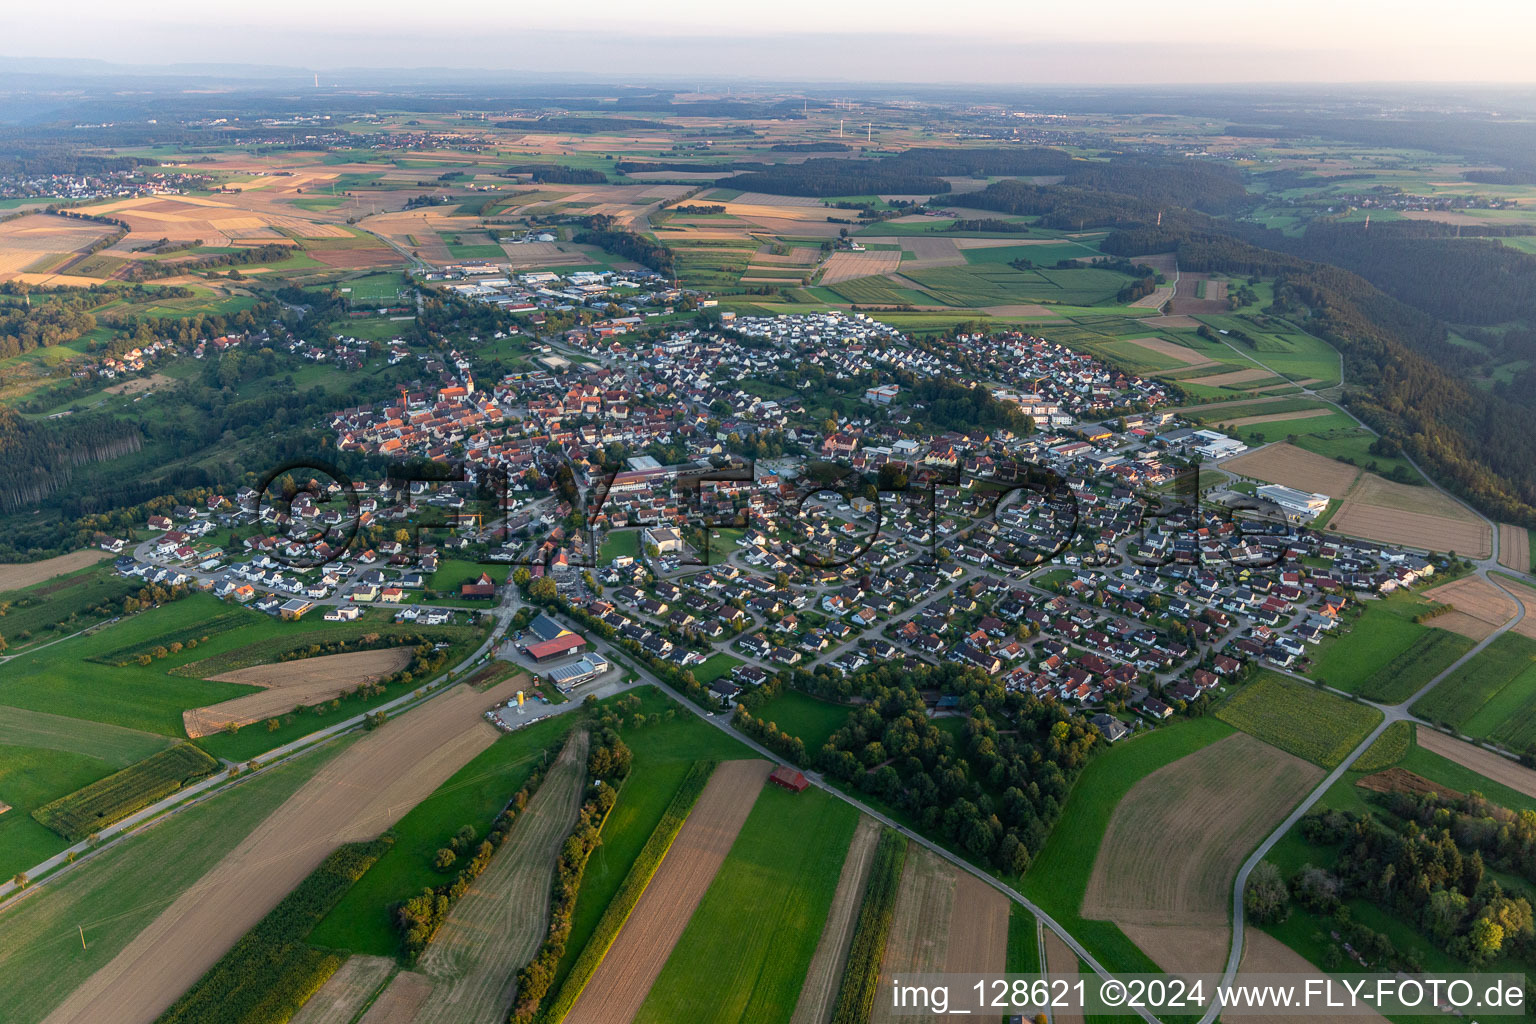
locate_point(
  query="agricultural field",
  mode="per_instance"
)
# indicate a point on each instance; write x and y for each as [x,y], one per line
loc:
[819,992]
[720,971]
[1060,875]
[500,922]
[289,684]
[403,763]
[1418,517]
[618,988]
[1299,719]
[1175,841]
[1384,655]
[119,892]
[1492,697]
[25,574]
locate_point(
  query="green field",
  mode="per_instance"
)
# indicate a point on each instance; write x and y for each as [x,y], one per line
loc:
[375,289]
[994,284]
[619,543]
[811,719]
[662,756]
[106,801]
[31,777]
[1299,719]
[1371,658]
[120,892]
[116,746]
[474,795]
[784,866]
[1493,696]
[1059,876]
[715,666]
[63,605]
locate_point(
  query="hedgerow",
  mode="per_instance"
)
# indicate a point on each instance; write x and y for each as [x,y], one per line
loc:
[856,996]
[623,902]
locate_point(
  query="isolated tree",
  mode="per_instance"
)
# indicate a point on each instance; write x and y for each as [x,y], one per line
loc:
[444,859]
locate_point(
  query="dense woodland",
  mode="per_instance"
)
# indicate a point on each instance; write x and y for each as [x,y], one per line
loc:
[913,172]
[627,244]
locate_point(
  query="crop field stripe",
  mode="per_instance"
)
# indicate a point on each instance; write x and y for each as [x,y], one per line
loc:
[630,891]
[1299,719]
[638,955]
[122,793]
[271,972]
[498,924]
[819,992]
[785,862]
[866,952]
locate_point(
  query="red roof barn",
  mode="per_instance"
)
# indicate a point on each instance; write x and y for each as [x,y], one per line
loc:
[789,778]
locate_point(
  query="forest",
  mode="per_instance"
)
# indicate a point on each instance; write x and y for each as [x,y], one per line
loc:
[918,171]
[558,174]
[997,790]
[601,233]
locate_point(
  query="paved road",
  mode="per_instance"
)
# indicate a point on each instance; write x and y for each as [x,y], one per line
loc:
[722,722]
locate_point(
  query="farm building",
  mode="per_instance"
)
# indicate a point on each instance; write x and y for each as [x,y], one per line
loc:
[789,778]
[570,643]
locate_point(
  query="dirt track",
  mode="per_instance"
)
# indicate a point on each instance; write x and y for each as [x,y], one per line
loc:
[819,992]
[291,683]
[364,790]
[1485,762]
[23,574]
[500,922]
[1176,840]
[624,978]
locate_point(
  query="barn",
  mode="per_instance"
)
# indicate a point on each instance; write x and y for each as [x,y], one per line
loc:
[789,778]
[570,643]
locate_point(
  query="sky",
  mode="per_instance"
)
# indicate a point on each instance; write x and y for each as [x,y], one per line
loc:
[958,41]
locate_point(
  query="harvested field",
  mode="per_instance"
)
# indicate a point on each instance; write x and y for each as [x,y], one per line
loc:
[500,922]
[401,1001]
[1155,300]
[14,575]
[1060,960]
[978,942]
[288,684]
[1276,417]
[340,998]
[352,259]
[1177,838]
[1417,517]
[848,266]
[1401,780]
[1527,595]
[765,199]
[1480,607]
[927,251]
[43,232]
[1172,350]
[1485,762]
[1515,547]
[921,928]
[1295,467]
[1265,954]
[1188,301]
[1221,380]
[181,218]
[621,982]
[1022,309]
[819,993]
[356,796]
[1182,949]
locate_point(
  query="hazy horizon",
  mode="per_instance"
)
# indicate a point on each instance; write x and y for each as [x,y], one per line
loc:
[1115,42]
